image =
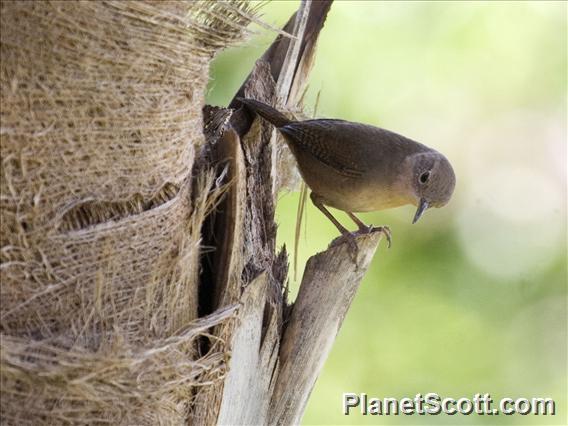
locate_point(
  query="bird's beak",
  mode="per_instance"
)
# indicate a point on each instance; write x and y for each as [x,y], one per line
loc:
[422,206]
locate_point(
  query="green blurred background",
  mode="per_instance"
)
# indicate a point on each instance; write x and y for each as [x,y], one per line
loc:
[471,299]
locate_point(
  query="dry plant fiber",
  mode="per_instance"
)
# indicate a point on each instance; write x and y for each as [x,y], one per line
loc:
[100,124]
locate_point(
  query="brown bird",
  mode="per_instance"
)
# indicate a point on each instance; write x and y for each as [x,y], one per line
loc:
[356,167]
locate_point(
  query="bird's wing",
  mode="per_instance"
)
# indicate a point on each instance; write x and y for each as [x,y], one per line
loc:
[328,141]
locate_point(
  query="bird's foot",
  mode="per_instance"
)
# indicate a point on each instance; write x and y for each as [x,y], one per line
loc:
[385,230]
[348,238]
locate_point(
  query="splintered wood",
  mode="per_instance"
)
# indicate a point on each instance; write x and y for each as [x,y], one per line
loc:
[277,349]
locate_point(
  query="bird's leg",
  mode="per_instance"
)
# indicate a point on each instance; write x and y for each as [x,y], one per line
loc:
[346,236]
[362,227]
[319,204]
[367,229]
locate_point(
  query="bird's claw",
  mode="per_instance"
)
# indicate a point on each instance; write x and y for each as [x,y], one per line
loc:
[385,230]
[349,239]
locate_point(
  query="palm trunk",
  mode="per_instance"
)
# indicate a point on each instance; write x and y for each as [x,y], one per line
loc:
[140,278]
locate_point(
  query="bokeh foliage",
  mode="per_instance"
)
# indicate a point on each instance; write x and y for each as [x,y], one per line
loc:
[472,299]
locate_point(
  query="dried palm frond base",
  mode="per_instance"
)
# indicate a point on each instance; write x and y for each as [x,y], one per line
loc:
[100,215]
[56,382]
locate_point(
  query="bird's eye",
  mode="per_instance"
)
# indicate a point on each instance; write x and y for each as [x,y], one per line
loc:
[424,177]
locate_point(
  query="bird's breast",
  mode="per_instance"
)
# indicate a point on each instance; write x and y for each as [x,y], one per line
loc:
[366,182]
[354,194]
[365,199]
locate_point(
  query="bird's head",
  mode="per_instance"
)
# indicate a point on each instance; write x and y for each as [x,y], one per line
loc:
[433,181]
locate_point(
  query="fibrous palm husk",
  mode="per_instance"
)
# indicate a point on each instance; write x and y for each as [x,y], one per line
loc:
[100,234]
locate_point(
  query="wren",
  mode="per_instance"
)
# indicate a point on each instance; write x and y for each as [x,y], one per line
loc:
[357,167]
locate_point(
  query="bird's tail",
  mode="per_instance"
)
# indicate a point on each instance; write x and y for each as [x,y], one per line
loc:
[266,111]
